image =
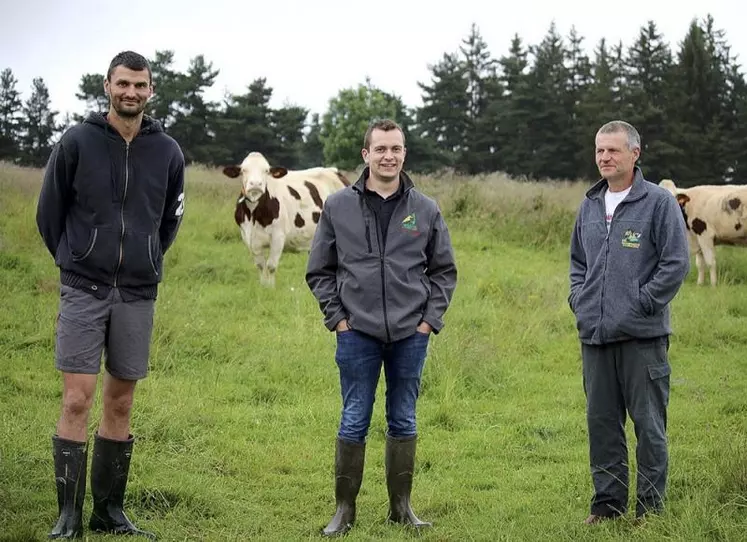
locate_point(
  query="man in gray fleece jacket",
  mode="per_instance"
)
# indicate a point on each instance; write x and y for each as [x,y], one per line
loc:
[628,258]
[382,268]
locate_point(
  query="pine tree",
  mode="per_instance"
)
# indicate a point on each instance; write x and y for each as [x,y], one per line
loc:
[579,86]
[512,115]
[11,111]
[288,124]
[483,89]
[600,103]
[550,126]
[38,126]
[313,150]
[649,85]
[245,125]
[443,116]
[193,117]
[91,91]
[706,118]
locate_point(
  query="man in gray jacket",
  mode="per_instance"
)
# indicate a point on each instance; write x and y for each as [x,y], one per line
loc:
[382,269]
[628,259]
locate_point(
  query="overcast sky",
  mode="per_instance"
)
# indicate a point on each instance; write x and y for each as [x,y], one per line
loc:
[308,50]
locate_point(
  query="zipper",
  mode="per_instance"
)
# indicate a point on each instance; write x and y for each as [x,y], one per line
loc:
[606,259]
[381,263]
[121,212]
[607,253]
[383,281]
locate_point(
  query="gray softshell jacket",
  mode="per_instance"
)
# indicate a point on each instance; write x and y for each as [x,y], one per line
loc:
[621,282]
[385,294]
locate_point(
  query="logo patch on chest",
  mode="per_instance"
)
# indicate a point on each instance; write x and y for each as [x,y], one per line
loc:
[631,239]
[410,225]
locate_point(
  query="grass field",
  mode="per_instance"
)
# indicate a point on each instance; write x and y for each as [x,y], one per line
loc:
[236,423]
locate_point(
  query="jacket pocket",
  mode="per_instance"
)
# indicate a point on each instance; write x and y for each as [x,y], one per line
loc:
[92,252]
[153,252]
[647,307]
[79,255]
[637,300]
[585,307]
[142,258]
[572,299]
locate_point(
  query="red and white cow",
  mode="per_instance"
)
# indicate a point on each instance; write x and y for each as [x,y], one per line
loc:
[714,215]
[279,208]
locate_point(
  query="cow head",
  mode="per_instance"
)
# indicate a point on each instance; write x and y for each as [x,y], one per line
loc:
[255,172]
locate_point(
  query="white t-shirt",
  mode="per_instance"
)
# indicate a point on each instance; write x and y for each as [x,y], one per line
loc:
[611,201]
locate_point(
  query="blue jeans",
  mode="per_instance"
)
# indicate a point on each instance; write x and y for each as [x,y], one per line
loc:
[359,358]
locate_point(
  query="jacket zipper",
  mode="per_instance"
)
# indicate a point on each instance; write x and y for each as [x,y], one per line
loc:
[383,281]
[381,263]
[121,212]
[604,271]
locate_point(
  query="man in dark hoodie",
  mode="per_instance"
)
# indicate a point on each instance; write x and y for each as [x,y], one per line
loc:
[628,259]
[382,268]
[110,206]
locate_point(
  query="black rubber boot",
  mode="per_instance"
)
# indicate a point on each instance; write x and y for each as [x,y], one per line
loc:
[70,477]
[109,469]
[400,465]
[349,459]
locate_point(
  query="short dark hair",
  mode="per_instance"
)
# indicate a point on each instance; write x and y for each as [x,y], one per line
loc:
[383,124]
[130,60]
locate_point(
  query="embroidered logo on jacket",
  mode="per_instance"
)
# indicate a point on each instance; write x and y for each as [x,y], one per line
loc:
[410,225]
[631,239]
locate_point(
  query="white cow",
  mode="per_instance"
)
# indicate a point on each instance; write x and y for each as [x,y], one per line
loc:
[278,209]
[715,215]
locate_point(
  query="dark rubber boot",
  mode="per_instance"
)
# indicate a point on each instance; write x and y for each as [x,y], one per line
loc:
[400,465]
[109,469]
[349,459]
[70,477]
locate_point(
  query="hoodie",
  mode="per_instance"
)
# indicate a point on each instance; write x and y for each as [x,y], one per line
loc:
[383,289]
[621,282]
[109,210]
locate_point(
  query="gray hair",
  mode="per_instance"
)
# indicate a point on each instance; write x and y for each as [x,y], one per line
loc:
[616,126]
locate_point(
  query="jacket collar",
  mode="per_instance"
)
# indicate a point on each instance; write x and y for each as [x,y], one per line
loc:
[404,179]
[637,190]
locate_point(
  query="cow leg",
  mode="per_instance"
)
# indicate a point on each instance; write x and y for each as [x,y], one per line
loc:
[694,243]
[700,265]
[259,261]
[246,236]
[276,250]
[709,255]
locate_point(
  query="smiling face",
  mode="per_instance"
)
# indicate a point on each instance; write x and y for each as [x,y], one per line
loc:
[128,91]
[385,154]
[614,157]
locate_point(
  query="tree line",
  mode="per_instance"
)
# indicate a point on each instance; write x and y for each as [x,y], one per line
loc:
[531,113]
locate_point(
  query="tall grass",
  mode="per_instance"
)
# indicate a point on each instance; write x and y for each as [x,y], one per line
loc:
[236,422]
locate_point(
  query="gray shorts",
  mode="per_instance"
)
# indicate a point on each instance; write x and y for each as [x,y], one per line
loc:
[88,326]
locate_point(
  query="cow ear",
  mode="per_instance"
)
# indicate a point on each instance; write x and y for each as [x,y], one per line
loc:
[278,171]
[682,199]
[232,171]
